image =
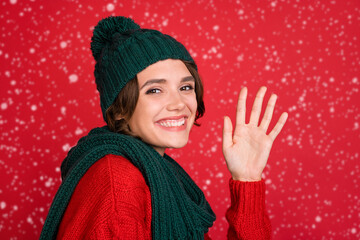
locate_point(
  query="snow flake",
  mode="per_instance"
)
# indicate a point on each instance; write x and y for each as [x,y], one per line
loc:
[4,106]
[29,220]
[63,44]
[63,110]
[73,78]
[66,147]
[78,131]
[110,7]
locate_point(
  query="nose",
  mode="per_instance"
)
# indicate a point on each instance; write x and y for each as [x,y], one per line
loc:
[175,102]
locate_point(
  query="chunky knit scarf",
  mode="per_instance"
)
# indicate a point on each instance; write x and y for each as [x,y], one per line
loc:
[179,208]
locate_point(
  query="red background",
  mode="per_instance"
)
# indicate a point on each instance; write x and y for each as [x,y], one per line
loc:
[305,51]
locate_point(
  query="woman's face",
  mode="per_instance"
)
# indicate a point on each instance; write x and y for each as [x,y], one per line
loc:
[166,108]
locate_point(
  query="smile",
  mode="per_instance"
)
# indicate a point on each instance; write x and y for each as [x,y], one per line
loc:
[177,124]
[172,123]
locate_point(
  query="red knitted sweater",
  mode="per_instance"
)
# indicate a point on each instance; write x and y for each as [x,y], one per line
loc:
[113,201]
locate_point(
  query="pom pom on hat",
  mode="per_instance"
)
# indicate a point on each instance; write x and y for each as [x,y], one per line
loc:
[106,28]
[122,49]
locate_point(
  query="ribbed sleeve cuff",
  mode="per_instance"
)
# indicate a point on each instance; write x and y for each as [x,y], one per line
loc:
[247,197]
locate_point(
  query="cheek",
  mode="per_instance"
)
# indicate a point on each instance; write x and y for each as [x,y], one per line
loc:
[135,120]
[192,104]
[145,111]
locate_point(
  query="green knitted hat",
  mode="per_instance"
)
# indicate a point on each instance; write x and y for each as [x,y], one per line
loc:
[122,49]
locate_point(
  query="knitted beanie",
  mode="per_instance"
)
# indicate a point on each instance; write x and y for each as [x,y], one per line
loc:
[122,49]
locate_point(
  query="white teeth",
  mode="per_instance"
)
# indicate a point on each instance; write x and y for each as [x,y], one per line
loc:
[172,123]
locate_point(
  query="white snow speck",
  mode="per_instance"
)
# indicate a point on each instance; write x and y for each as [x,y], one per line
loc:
[4,106]
[48,183]
[63,110]
[63,44]
[213,148]
[78,131]
[165,22]
[66,147]
[219,175]
[216,28]
[2,205]
[32,50]
[318,219]
[110,7]
[73,78]
[33,107]
[29,220]
[353,230]
[13,1]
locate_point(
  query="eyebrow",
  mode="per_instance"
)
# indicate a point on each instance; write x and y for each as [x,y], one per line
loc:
[152,81]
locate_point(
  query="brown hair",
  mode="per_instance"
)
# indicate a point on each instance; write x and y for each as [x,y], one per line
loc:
[125,103]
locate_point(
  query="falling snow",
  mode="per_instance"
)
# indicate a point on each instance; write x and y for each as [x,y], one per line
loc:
[73,78]
[110,7]
[307,52]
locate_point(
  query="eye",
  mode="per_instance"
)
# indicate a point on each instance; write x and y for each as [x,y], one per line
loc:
[152,91]
[187,88]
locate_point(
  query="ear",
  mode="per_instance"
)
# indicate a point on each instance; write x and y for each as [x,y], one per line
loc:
[118,117]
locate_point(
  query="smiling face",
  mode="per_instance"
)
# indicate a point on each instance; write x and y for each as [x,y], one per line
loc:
[166,108]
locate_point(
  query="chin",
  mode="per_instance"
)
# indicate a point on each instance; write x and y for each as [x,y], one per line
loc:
[177,144]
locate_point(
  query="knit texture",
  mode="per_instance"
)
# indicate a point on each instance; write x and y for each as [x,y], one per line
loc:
[113,201]
[122,49]
[247,218]
[179,207]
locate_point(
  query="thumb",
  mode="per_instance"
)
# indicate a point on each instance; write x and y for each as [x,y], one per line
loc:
[227,133]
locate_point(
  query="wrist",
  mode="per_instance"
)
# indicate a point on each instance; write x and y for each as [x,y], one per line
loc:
[246,178]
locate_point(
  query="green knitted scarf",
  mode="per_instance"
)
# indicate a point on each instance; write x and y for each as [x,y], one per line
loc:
[179,207]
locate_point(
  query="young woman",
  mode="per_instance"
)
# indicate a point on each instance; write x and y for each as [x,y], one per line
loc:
[118,182]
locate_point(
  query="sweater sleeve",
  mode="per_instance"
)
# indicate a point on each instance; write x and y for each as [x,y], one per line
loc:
[246,215]
[111,201]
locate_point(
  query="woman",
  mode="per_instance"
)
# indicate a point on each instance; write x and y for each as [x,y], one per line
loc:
[119,183]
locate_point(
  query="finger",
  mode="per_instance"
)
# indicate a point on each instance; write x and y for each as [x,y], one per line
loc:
[268,112]
[256,109]
[278,126]
[241,107]
[227,133]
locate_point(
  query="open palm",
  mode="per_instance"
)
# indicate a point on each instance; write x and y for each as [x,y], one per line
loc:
[247,150]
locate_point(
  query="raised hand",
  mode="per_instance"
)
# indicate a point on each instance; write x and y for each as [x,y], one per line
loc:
[247,150]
